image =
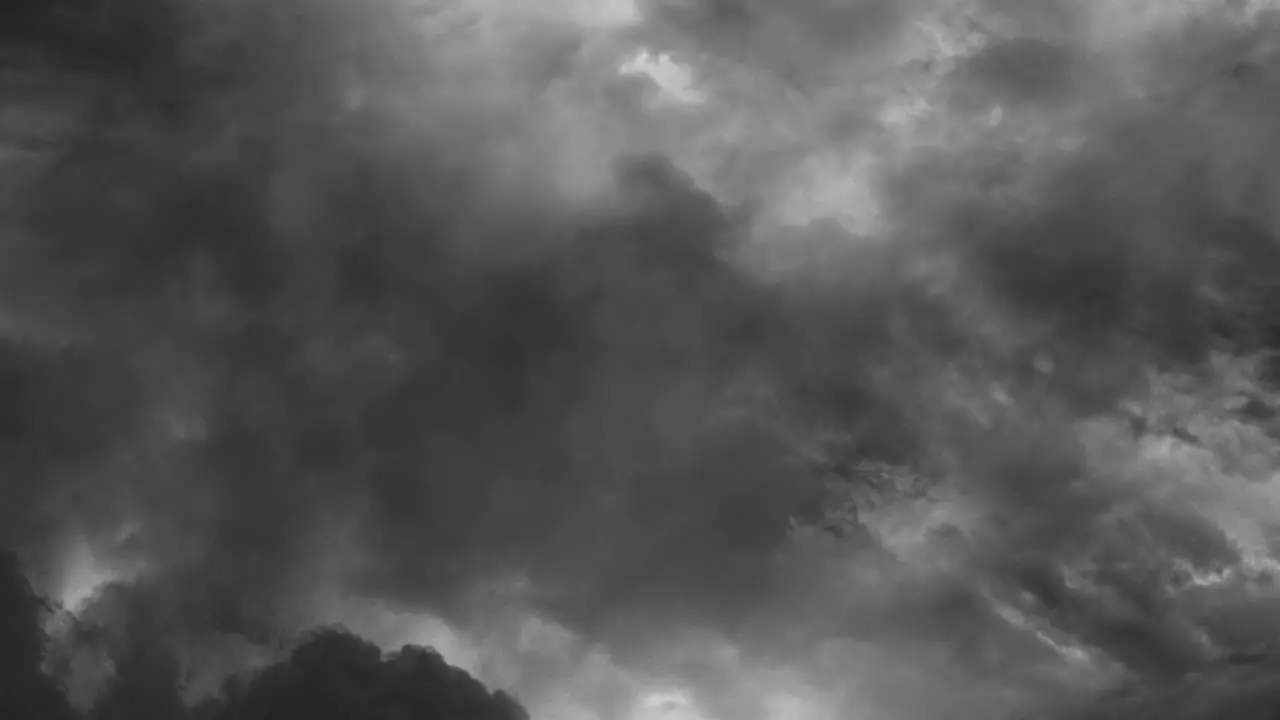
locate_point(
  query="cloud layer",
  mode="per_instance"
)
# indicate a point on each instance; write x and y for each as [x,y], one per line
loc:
[462,312]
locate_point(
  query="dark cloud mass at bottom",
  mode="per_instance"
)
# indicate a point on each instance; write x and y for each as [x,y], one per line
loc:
[289,369]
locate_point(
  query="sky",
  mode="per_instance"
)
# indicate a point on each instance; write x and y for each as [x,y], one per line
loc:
[618,547]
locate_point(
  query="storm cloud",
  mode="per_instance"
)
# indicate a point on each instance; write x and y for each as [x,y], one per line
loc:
[421,307]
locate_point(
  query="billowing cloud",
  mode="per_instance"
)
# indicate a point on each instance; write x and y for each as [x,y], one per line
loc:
[530,331]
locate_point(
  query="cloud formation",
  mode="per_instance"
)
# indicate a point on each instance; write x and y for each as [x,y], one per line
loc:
[439,310]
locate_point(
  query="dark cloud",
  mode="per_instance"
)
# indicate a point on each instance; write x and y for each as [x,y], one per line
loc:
[325,343]
[1039,18]
[1027,70]
[1106,262]
[797,41]
[304,300]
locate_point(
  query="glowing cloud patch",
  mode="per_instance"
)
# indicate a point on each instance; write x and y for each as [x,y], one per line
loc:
[85,571]
[673,78]
[666,705]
